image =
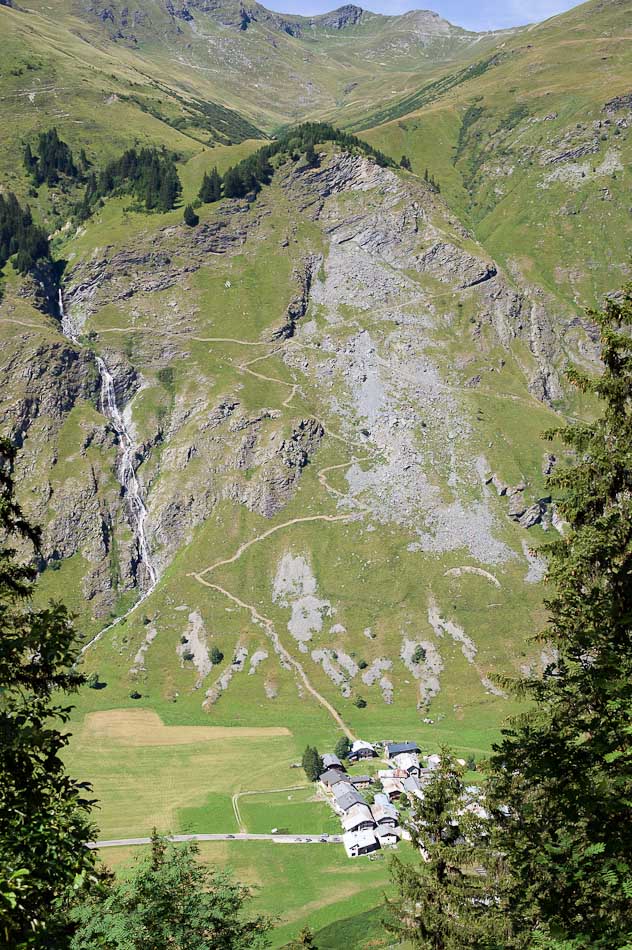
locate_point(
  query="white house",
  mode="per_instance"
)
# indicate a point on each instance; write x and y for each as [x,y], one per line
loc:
[360,842]
[387,835]
[408,761]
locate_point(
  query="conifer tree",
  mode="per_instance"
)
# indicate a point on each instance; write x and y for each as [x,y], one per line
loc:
[190,217]
[446,902]
[343,747]
[211,188]
[561,778]
[404,162]
[170,901]
[312,763]
[44,813]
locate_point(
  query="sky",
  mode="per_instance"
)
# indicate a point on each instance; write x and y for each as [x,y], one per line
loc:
[472,14]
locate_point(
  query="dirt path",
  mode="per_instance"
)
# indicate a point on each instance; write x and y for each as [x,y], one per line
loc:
[279,649]
[266,534]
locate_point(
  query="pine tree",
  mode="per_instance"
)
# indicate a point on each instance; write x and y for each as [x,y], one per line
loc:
[190,217]
[211,188]
[343,747]
[44,814]
[233,183]
[312,763]
[311,156]
[561,778]
[404,162]
[446,903]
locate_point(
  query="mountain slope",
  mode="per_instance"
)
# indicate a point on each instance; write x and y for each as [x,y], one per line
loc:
[534,150]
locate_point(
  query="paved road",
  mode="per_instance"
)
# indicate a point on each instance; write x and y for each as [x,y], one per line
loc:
[279,839]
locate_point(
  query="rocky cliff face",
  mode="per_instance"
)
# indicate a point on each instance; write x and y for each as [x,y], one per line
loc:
[385,274]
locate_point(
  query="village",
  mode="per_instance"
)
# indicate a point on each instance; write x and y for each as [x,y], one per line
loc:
[377,818]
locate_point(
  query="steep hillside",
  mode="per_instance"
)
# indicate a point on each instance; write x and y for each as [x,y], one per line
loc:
[324,409]
[533,149]
[268,67]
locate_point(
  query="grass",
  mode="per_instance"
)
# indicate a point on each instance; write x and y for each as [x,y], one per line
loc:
[314,884]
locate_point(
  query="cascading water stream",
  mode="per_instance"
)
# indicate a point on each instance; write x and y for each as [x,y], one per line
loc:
[125,470]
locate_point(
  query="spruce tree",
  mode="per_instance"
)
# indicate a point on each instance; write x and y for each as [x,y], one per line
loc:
[44,813]
[170,901]
[343,747]
[190,217]
[561,778]
[312,763]
[446,902]
[404,162]
[211,188]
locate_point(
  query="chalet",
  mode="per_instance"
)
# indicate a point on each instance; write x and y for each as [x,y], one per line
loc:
[408,761]
[358,818]
[384,813]
[387,835]
[329,779]
[345,797]
[393,788]
[360,842]
[361,750]
[331,761]
[360,781]
[391,773]
[396,748]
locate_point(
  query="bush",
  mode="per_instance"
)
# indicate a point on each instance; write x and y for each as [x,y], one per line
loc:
[362,665]
[360,702]
[135,694]
[419,654]
[216,656]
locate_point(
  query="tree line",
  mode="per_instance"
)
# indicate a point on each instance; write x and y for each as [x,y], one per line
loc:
[148,174]
[20,236]
[248,176]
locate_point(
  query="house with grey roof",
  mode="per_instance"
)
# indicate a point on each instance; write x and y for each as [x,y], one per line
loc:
[345,797]
[396,748]
[331,761]
[332,777]
[358,818]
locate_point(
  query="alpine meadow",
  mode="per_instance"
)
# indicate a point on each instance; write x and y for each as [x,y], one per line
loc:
[315,478]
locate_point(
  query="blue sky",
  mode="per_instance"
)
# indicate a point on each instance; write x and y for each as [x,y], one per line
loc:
[473,14]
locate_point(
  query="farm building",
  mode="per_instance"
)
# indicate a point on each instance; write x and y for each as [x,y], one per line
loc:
[396,748]
[360,842]
[387,835]
[360,781]
[408,761]
[358,818]
[331,761]
[384,813]
[361,750]
[330,778]
[345,797]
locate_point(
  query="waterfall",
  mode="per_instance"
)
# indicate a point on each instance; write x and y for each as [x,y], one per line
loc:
[125,470]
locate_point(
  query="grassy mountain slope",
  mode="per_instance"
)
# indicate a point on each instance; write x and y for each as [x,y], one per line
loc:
[535,151]
[336,391]
[271,68]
